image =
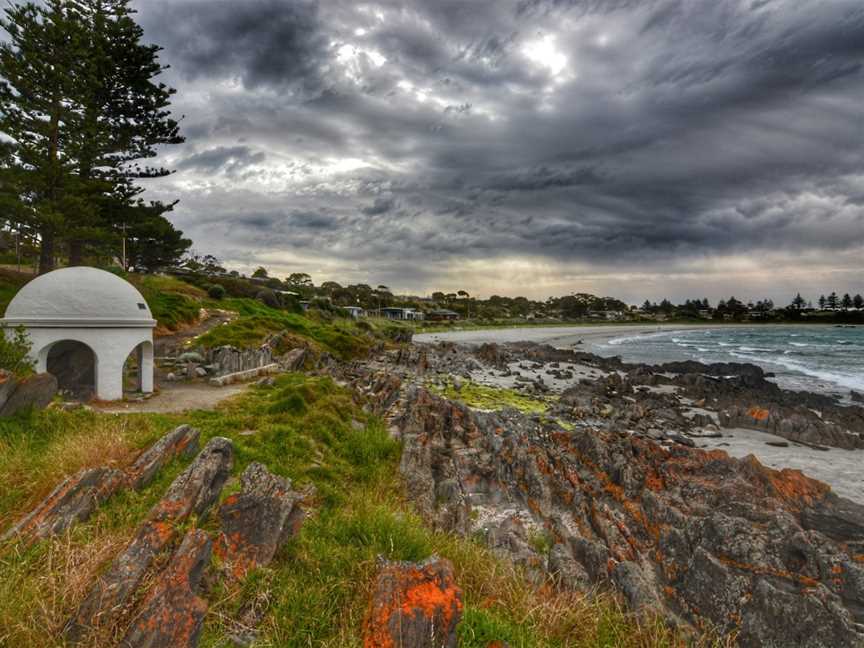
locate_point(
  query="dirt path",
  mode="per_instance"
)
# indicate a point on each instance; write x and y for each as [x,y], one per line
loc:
[164,344]
[178,398]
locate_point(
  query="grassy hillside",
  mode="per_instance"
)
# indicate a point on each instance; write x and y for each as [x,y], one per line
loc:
[172,302]
[310,430]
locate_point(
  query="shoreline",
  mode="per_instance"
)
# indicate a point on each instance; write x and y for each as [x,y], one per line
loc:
[634,344]
[589,332]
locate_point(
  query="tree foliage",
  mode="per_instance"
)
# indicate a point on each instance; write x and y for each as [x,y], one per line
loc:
[83,111]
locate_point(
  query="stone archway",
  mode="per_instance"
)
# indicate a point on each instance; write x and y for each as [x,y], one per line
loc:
[75,365]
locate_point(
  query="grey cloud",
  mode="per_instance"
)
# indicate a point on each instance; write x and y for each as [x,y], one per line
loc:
[229,159]
[678,131]
[261,42]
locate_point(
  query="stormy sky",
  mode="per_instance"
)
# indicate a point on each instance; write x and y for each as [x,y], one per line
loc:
[638,148]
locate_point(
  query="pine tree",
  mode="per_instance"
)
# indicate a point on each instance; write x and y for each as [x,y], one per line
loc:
[798,303]
[126,117]
[822,302]
[833,301]
[38,79]
[846,302]
[83,110]
[858,301]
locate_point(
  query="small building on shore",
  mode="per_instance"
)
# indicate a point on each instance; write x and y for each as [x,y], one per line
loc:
[83,324]
[442,314]
[401,313]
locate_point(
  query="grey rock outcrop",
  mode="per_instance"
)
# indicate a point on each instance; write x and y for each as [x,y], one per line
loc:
[173,614]
[193,492]
[256,521]
[772,556]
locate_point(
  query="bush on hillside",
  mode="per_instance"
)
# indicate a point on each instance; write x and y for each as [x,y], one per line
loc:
[15,348]
[268,298]
[216,291]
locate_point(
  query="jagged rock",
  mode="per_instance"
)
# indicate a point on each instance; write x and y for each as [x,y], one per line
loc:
[257,520]
[74,500]
[36,391]
[173,614]
[768,555]
[193,492]
[77,497]
[796,423]
[415,605]
[182,441]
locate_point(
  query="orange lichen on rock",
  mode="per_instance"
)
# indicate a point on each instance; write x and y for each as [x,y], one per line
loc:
[801,579]
[759,414]
[417,605]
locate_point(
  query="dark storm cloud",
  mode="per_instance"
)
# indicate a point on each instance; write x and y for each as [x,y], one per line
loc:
[229,159]
[261,42]
[631,134]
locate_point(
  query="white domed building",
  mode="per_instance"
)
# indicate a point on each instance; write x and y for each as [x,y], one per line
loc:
[83,324]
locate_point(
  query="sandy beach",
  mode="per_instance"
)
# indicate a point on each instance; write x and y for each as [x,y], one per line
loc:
[561,336]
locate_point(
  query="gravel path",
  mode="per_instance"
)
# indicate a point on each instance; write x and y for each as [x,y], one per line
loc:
[178,398]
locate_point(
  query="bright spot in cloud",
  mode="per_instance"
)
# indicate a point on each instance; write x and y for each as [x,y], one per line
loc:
[544,53]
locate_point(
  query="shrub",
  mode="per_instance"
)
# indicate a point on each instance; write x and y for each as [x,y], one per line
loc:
[14,351]
[268,298]
[216,291]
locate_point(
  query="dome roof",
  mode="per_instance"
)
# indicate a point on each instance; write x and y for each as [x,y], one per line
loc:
[79,296]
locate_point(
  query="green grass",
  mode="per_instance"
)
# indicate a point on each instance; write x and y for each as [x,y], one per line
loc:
[484,397]
[173,302]
[316,591]
[344,338]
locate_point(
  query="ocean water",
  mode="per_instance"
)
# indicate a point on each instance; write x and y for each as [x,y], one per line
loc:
[813,358]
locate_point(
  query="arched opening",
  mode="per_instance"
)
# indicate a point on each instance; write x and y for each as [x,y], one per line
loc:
[74,365]
[138,369]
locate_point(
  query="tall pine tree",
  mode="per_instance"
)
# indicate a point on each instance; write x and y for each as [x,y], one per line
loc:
[83,110]
[38,77]
[125,119]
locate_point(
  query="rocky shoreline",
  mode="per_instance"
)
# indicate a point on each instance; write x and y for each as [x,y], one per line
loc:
[609,488]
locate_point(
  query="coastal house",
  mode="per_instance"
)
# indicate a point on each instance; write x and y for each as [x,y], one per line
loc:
[354,311]
[442,314]
[83,325]
[401,313]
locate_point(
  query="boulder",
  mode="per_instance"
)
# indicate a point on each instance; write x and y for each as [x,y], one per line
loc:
[8,383]
[36,391]
[172,614]
[414,605]
[257,520]
[294,359]
[192,492]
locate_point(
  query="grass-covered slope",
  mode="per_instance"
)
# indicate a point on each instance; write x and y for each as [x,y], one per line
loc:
[344,338]
[172,302]
[316,591]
